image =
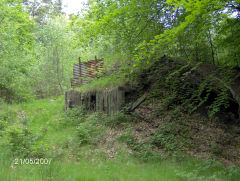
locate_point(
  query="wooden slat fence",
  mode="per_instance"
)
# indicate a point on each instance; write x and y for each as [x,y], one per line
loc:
[83,72]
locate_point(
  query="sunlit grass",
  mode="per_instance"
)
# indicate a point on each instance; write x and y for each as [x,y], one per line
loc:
[113,169]
[104,170]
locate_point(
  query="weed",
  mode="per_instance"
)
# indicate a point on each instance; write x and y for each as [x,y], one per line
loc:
[97,118]
[74,116]
[23,142]
[215,148]
[88,133]
[127,137]
[3,124]
[8,116]
[117,120]
[171,137]
[83,134]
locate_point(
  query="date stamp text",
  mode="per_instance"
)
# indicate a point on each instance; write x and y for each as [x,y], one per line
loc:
[32,161]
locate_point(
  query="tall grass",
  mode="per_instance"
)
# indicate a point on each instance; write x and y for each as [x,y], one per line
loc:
[108,82]
[69,160]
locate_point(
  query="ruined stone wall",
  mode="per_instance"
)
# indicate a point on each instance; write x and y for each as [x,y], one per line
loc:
[107,101]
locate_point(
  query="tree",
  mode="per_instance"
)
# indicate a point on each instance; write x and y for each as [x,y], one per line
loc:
[54,57]
[16,40]
[119,25]
[42,10]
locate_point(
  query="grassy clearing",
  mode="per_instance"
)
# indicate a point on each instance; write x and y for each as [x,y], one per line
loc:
[87,147]
[108,82]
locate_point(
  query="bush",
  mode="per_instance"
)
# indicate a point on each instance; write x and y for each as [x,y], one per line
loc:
[185,86]
[97,118]
[8,116]
[74,116]
[118,119]
[3,124]
[83,135]
[23,142]
[127,137]
[172,137]
[88,133]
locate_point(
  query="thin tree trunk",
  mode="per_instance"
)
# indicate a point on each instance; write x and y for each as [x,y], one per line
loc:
[7,96]
[58,70]
[196,52]
[212,47]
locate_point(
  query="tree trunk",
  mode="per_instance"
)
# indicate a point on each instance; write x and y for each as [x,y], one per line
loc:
[58,69]
[212,47]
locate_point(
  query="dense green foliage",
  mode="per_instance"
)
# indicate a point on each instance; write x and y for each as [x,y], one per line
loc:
[39,44]
[36,54]
[139,32]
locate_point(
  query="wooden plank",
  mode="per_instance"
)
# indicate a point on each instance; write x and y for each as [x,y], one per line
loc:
[76,70]
[76,73]
[137,103]
[75,82]
[77,76]
[87,70]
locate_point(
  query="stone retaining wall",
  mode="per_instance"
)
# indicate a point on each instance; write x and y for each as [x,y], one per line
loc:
[107,101]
